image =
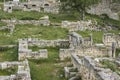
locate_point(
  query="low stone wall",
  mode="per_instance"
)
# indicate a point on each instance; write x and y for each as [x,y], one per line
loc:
[43,21]
[79,25]
[23,72]
[110,38]
[83,25]
[65,53]
[42,53]
[9,27]
[24,52]
[76,40]
[5,65]
[34,22]
[90,69]
[47,43]
[86,51]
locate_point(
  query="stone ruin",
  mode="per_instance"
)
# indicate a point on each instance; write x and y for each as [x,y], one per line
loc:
[77,40]
[75,26]
[110,38]
[9,27]
[83,47]
[43,21]
[90,69]
[51,6]
[84,25]
[24,52]
[47,43]
[105,7]
[96,51]
[23,72]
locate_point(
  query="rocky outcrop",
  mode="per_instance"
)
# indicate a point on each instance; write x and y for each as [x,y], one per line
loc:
[106,7]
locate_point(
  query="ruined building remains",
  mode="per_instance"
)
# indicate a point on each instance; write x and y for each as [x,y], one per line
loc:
[50,6]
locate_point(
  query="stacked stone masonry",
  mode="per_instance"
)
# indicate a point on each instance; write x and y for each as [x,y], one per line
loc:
[51,6]
[43,21]
[23,72]
[84,25]
[90,69]
[84,46]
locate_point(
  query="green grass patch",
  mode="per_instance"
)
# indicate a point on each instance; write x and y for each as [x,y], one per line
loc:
[2,24]
[25,15]
[117,52]
[8,54]
[8,71]
[47,69]
[97,35]
[111,65]
[31,31]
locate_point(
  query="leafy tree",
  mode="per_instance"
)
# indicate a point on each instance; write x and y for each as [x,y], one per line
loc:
[80,5]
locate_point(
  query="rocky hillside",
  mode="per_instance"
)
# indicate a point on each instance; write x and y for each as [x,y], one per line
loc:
[109,7]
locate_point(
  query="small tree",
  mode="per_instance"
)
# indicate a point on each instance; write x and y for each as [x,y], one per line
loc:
[80,5]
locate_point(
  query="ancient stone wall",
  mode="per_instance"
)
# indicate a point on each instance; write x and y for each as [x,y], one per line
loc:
[110,38]
[83,47]
[24,52]
[23,71]
[79,25]
[90,69]
[8,27]
[65,53]
[77,40]
[44,22]
[85,51]
[40,6]
[47,43]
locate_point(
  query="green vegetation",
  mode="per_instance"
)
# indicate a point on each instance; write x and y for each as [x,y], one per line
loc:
[8,71]
[34,48]
[2,24]
[31,31]
[105,20]
[1,0]
[97,35]
[79,5]
[8,54]
[48,69]
[23,15]
[111,65]
[51,68]
[117,52]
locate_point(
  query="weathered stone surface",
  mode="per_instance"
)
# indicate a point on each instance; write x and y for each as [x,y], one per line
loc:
[105,7]
[23,72]
[43,21]
[89,69]
[33,5]
[10,28]
[109,38]
[84,47]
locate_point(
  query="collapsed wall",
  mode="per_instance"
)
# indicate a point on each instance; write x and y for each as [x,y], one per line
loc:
[90,69]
